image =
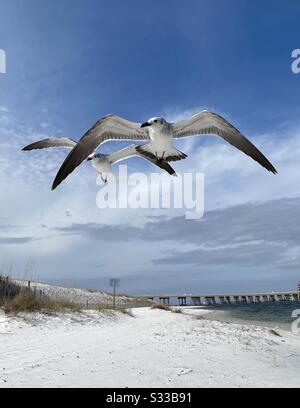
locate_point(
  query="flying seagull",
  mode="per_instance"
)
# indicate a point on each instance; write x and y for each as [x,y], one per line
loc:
[102,163]
[159,134]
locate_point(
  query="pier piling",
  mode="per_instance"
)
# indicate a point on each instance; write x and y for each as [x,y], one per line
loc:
[212,299]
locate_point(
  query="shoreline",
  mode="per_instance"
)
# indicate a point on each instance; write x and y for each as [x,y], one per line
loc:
[225,315]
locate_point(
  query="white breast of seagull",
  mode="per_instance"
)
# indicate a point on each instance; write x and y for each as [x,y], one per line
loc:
[160,141]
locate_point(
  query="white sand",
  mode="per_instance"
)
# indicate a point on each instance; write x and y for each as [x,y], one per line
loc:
[81,296]
[153,349]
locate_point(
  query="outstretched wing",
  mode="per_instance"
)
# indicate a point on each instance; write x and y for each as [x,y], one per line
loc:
[131,151]
[51,142]
[108,128]
[210,123]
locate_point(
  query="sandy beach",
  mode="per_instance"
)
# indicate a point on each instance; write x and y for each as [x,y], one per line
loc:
[154,348]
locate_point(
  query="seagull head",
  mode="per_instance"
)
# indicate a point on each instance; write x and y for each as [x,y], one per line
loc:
[99,157]
[91,157]
[155,123]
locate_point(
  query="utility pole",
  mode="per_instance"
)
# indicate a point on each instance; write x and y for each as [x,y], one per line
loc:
[114,283]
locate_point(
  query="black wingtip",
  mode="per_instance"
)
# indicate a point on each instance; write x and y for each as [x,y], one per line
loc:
[55,184]
[272,169]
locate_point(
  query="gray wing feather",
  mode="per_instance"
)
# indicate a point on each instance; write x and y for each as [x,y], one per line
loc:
[110,127]
[51,142]
[213,124]
[123,154]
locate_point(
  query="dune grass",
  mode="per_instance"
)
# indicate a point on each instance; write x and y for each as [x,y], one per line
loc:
[8,288]
[161,306]
[26,301]
[105,308]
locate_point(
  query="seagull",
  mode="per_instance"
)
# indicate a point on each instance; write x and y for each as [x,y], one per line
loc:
[102,163]
[159,133]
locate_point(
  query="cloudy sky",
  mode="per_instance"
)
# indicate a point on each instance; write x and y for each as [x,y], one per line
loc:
[71,62]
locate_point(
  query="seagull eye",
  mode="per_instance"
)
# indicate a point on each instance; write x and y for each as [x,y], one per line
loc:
[155,121]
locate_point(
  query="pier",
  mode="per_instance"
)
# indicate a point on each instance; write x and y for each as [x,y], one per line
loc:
[213,299]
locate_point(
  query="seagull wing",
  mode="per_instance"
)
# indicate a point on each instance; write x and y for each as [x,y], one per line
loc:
[123,154]
[110,127]
[51,142]
[210,123]
[131,151]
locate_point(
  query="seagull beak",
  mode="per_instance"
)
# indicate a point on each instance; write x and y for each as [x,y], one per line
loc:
[145,124]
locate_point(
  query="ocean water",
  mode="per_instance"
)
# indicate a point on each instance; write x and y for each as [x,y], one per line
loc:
[275,315]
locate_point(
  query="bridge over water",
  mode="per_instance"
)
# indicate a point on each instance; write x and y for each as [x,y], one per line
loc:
[211,299]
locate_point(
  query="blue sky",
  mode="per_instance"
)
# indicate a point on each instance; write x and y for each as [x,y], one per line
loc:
[71,62]
[84,59]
